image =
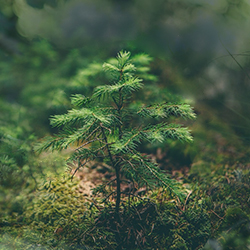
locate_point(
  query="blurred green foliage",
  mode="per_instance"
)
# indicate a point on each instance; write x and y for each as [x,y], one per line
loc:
[50,50]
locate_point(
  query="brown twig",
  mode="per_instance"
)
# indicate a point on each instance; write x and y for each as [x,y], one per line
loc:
[183,209]
[222,218]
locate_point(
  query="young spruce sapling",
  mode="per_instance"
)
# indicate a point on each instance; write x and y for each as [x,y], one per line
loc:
[101,126]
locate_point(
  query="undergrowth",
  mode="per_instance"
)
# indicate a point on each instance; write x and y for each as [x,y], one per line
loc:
[215,212]
[60,217]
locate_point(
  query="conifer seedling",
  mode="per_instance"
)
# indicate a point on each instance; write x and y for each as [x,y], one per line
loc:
[101,126]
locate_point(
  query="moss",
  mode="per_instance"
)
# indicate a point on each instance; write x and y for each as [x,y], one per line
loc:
[235,216]
[54,216]
[59,217]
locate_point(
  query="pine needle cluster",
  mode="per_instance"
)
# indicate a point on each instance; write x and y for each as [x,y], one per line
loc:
[101,127]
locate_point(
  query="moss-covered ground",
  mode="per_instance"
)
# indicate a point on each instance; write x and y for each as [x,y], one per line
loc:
[60,213]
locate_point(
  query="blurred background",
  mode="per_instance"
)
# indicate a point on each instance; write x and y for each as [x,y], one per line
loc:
[200,50]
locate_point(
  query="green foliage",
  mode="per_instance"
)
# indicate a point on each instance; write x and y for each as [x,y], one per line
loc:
[15,147]
[20,169]
[37,79]
[93,75]
[9,171]
[100,125]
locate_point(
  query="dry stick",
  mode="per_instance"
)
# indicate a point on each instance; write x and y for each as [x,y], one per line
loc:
[183,209]
[235,60]
[110,182]
[222,218]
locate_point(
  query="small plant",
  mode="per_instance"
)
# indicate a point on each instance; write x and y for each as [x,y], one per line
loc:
[103,128]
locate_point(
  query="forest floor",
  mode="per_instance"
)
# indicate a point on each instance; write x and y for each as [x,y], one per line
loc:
[63,213]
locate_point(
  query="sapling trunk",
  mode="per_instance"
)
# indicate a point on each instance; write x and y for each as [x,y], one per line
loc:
[118,190]
[117,173]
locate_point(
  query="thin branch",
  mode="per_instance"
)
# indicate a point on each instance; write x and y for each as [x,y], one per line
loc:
[101,125]
[106,184]
[130,139]
[183,209]
[133,167]
[110,182]
[88,142]
[157,177]
[106,144]
[92,131]
[79,166]
[141,198]
[235,60]
[115,102]
[108,196]
[95,204]
[222,218]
